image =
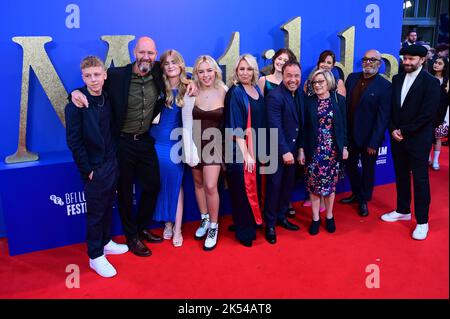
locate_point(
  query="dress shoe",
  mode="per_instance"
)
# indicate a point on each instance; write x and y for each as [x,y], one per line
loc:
[287,225]
[271,236]
[363,209]
[138,248]
[394,216]
[330,225]
[348,200]
[102,267]
[246,242]
[314,227]
[232,228]
[149,237]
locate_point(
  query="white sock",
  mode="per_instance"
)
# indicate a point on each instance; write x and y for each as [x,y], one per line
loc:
[436,157]
[205,216]
[214,225]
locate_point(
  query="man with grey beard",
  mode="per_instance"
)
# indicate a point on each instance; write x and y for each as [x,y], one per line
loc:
[368,111]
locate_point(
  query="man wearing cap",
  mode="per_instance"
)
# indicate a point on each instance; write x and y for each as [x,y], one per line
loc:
[415,97]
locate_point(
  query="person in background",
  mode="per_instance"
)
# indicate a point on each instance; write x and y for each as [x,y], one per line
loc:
[89,137]
[440,71]
[411,38]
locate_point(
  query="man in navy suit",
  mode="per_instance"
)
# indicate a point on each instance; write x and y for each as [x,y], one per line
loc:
[415,99]
[368,111]
[283,106]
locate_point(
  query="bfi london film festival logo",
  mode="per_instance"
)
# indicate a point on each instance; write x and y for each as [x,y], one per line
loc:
[74,202]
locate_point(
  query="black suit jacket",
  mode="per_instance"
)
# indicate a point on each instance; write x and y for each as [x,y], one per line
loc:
[371,116]
[284,112]
[83,135]
[118,87]
[308,133]
[415,117]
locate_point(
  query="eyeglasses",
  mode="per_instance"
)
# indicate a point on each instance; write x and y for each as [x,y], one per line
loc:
[320,82]
[371,60]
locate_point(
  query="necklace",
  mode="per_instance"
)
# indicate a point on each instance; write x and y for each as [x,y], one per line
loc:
[103,102]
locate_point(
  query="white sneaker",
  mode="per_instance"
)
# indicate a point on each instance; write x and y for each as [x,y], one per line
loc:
[394,216]
[204,226]
[211,239]
[421,232]
[435,166]
[112,248]
[102,267]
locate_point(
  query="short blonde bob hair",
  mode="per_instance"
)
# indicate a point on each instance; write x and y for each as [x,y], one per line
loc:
[251,60]
[329,78]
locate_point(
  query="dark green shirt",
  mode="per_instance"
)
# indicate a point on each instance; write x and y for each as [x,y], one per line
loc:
[141,104]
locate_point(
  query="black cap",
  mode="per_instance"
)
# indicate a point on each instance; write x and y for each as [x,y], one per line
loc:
[415,50]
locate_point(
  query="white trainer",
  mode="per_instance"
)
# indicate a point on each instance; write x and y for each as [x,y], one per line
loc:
[394,216]
[204,226]
[211,239]
[112,248]
[102,267]
[421,232]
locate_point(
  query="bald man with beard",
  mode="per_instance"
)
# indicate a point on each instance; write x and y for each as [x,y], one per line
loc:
[368,111]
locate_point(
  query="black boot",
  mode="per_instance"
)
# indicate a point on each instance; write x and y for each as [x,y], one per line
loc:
[330,225]
[314,228]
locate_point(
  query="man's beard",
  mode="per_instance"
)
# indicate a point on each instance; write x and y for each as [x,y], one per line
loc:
[145,66]
[411,68]
[370,71]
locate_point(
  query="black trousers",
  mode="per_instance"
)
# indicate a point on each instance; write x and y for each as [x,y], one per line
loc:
[100,193]
[408,161]
[137,160]
[361,181]
[279,187]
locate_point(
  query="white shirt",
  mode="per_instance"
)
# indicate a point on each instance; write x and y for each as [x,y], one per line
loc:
[409,80]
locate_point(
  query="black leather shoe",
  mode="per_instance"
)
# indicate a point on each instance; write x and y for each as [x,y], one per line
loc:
[330,225]
[287,225]
[149,237]
[348,200]
[363,209]
[247,242]
[138,248]
[232,228]
[314,227]
[271,236]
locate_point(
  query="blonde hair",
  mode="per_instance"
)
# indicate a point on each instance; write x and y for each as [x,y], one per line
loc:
[329,78]
[212,63]
[182,86]
[91,61]
[251,60]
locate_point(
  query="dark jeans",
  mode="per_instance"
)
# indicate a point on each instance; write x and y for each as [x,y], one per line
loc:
[361,182]
[100,193]
[137,159]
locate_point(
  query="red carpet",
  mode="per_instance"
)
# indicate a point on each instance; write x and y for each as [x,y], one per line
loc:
[298,266]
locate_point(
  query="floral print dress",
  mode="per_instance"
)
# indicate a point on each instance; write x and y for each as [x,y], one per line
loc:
[324,171]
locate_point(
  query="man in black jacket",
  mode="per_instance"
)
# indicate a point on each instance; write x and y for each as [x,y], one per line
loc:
[135,91]
[368,111]
[415,98]
[89,137]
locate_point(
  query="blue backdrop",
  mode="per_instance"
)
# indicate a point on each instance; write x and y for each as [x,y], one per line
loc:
[41,202]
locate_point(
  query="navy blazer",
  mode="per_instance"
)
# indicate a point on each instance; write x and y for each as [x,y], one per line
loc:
[284,112]
[83,135]
[308,133]
[415,118]
[371,117]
